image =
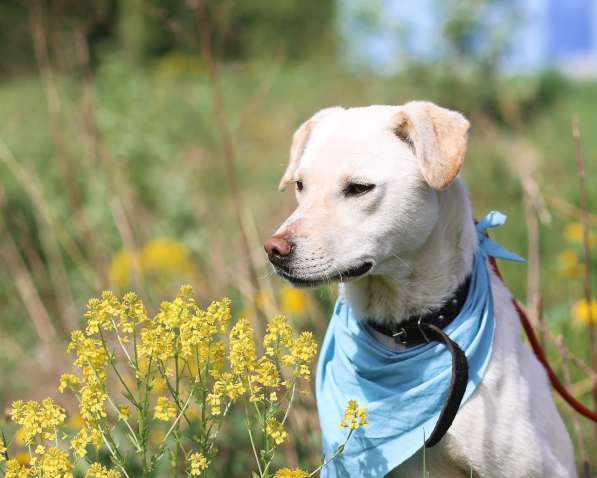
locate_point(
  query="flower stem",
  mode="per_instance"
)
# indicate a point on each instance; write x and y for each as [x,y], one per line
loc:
[338,451]
[248,424]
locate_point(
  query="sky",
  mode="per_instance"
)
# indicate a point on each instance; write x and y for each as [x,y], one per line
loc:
[386,34]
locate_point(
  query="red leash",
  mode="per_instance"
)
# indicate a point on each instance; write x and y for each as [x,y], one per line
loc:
[536,346]
[553,378]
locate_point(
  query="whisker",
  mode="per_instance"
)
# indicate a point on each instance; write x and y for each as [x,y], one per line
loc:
[403,262]
[267,274]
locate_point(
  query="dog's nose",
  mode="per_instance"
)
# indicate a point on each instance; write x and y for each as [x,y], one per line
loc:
[278,247]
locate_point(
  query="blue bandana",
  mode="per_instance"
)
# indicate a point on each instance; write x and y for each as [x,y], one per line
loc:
[403,391]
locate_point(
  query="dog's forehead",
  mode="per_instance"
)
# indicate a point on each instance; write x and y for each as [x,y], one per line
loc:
[352,140]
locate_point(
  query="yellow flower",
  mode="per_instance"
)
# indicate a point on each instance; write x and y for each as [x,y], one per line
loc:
[569,264]
[242,347]
[302,351]
[232,386]
[294,301]
[165,257]
[68,380]
[275,430]
[157,341]
[101,313]
[198,463]
[97,470]
[574,232]
[20,436]
[223,371]
[132,312]
[124,412]
[91,357]
[84,437]
[355,417]
[159,384]
[15,469]
[216,359]
[214,400]
[228,385]
[582,313]
[37,420]
[266,373]
[199,331]
[304,347]
[92,405]
[173,314]
[160,260]
[219,313]
[164,409]
[288,473]
[278,333]
[55,463]
[22,458]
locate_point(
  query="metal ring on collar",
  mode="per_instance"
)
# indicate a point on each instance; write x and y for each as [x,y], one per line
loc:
[422,331]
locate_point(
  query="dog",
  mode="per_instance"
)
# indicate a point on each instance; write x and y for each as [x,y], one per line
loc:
[383,212]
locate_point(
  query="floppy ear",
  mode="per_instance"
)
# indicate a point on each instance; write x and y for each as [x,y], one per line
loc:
[299,142]
[437,136]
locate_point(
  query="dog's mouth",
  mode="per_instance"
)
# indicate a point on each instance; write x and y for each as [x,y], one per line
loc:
[342,276]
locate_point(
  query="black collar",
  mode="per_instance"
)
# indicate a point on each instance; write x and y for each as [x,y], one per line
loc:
[429,327]
[409,332]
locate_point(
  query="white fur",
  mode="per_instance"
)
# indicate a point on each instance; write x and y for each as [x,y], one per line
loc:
[419,235]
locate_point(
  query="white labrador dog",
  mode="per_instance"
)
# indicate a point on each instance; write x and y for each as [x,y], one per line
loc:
[382,211]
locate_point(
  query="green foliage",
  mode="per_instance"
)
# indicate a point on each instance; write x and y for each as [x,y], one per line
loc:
[261,28]
[146,29]
[507,100]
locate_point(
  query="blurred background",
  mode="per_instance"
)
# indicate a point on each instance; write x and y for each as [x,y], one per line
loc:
[141,143]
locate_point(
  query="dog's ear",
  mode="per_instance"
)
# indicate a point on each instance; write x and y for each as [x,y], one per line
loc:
[438,138]
[299,142]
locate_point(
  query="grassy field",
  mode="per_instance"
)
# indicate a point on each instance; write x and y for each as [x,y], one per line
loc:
[119,181]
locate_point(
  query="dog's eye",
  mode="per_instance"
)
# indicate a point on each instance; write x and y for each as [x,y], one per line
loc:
[299,185]
[356,189]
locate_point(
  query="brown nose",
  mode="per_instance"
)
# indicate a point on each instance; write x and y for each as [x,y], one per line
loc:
[278,246]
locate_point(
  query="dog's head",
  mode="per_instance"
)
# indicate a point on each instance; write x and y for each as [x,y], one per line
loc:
[366,182]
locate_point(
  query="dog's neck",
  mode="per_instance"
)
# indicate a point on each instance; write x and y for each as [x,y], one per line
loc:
[424,280]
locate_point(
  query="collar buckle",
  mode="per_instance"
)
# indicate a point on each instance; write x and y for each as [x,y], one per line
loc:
[400,336]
